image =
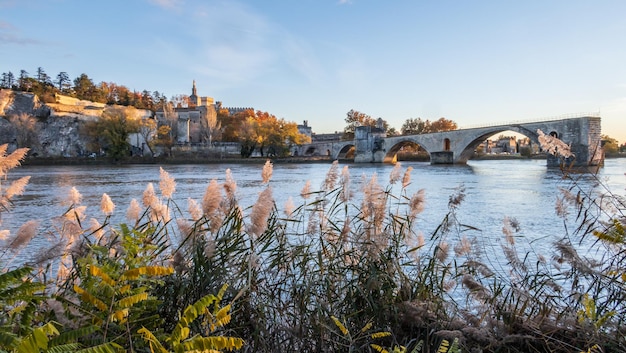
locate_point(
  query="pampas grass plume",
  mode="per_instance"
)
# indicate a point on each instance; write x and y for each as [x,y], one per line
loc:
[17,187]
[267,171]
[394,176]
[166,184]
[74,197]
[261,212]
[149,197]
[212,198]
[106,205]
[134,210]
[24,235]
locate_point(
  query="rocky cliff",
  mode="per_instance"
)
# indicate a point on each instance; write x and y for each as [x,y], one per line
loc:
[55,129]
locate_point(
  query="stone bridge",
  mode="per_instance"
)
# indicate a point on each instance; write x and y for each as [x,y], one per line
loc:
[371,145]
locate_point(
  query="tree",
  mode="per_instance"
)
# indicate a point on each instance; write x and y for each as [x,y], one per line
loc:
[42,77]
[210,126]
[63,82]
[164,138]
[443,124]
[84,88]
[8,79]
[26,130]
[418,126]
[355,119]
[22,81]
[147,130]
[110,132]
[610,144]
[413,126]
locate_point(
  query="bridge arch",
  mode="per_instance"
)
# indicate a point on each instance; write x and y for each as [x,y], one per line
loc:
[468,151]
[344,151]
[392,153]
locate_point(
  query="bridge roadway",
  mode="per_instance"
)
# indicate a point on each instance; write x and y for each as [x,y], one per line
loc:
[371,145]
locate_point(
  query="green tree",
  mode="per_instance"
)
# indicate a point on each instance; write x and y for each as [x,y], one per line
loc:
[413,126]
[8,79]
[84,88]
[63,82]
[110,132]
[610,144]
[23,82]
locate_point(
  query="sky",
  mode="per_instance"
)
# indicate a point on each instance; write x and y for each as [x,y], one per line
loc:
[479,62]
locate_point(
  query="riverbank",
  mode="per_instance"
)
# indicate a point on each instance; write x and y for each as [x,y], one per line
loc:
[168,160]
[190,159]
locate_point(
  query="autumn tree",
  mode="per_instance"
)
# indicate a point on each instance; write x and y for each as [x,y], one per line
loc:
[209,124]
[248,137]
[231,125]
[443,124]
[418,126]
[110,132]
[26,130]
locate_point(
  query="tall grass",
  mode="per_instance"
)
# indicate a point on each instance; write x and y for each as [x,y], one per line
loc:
[336,269]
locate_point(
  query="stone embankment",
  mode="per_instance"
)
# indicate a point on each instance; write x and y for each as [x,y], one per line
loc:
[57,126]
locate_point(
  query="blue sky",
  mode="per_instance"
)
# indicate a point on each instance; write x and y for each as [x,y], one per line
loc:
[474,62]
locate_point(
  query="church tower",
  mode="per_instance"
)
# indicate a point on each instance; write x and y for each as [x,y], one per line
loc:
[193,99]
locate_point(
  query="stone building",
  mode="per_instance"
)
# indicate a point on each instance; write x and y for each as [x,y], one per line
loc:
[191,121]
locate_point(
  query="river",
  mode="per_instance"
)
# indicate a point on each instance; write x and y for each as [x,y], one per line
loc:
[523,189]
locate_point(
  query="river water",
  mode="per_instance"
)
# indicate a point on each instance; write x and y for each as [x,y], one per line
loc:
[523,189]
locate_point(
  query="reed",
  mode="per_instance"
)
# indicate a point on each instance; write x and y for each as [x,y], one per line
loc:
[338,270]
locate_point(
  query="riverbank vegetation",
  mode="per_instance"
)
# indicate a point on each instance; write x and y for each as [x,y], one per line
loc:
[335,269]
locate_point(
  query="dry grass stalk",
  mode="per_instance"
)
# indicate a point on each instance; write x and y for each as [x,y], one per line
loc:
[167,184]
[74,197]
[212,198]
[406,179]
[344,180]
[230,186]
[289,207]
[17,187]
[417,203]
[260,212]
[149,196]
[106,205]
[8,162]
[24,235]
[134,211]
[195,210]
[306,190]
[553,145]
[266,174]
[331,177]
[396,172]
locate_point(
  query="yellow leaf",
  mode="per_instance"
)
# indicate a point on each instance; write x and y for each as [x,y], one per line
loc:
[340,325]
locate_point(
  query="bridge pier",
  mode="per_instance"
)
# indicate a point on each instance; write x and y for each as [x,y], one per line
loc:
[443,157]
